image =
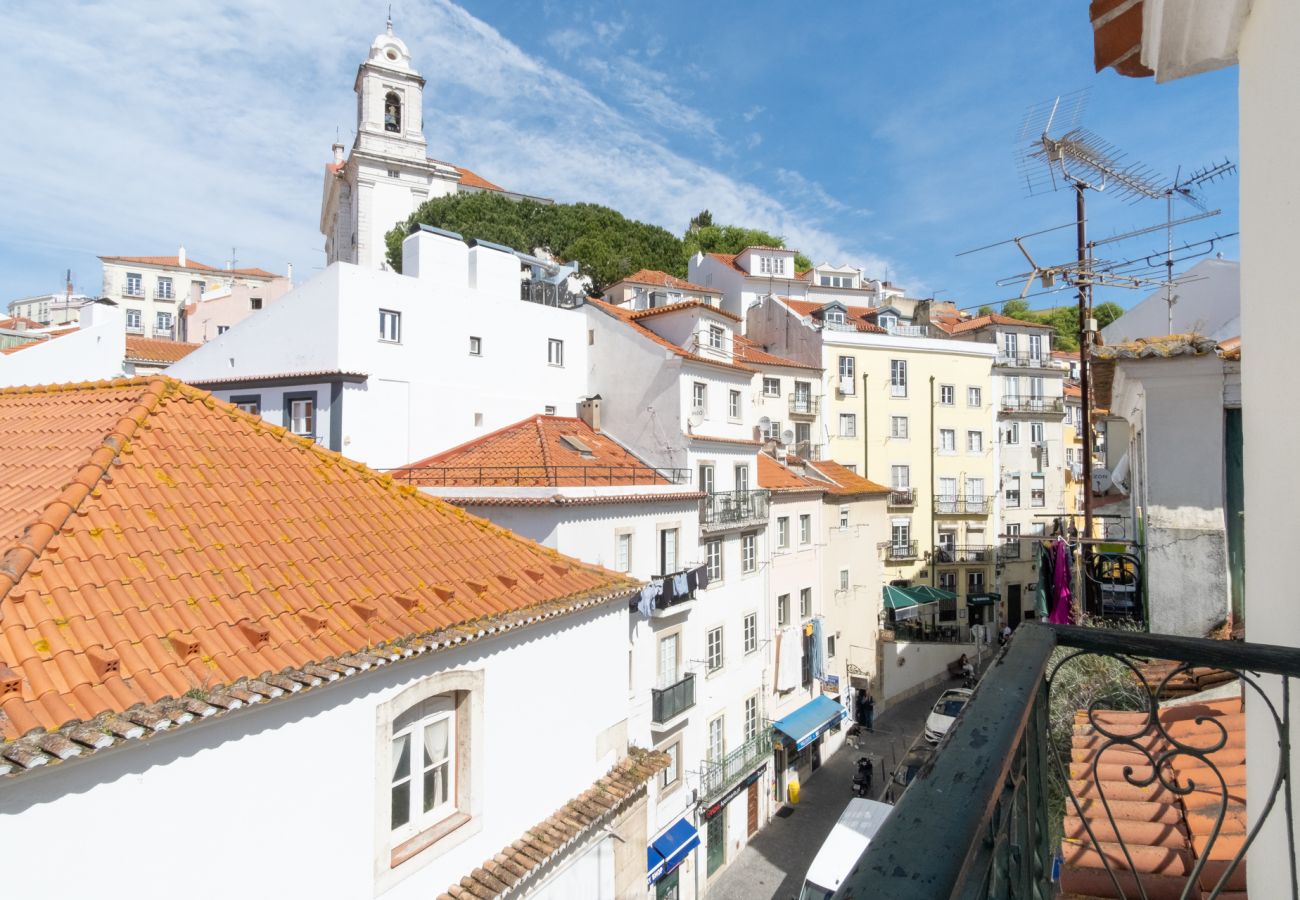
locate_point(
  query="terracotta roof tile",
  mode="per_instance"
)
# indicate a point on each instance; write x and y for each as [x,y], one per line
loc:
[625,315]
[19,323]
[663,279]
[141,557]
[845,483]
[748,351]
[858,316]
[724,440]
[593,808]
[774,476]
[174,262]
[140,349]
[475,180]
[1163,832]
[637,315]
[534,453]
[992,319]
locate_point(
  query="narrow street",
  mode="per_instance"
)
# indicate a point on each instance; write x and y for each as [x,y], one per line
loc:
[774,862]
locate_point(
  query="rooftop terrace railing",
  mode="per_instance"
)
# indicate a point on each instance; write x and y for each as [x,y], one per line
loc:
[547,294]
[1009,772]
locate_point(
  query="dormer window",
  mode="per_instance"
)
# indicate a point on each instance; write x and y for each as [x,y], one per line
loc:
[771,265]
[836,281]
[393,113]
[889,323]
[716,337]
[835,317]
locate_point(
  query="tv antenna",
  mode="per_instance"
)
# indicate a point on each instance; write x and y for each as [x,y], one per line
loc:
[1188,189]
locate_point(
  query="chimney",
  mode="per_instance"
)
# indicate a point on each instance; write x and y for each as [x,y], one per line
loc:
[288,272]
[180,257]
[338,154]
[589,411]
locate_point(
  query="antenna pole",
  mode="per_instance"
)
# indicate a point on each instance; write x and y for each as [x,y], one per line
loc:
[1085,277]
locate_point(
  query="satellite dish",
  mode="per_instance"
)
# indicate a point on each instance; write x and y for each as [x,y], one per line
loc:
[787,436]
[1101,481]
[765,423]
[696,418]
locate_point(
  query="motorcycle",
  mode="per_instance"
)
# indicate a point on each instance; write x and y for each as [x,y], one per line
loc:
[862,778]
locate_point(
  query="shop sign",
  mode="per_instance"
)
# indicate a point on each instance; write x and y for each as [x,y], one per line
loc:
[718,805]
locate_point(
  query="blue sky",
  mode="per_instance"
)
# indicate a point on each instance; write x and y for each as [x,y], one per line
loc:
[879,134]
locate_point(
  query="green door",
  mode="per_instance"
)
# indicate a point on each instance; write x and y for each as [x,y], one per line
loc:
[1235,513]
[716,834]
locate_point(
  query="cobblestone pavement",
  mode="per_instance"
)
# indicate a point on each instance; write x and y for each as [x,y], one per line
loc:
[774,862]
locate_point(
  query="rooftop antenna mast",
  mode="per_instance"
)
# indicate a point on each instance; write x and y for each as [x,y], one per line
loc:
[1187,189]
[1055,153]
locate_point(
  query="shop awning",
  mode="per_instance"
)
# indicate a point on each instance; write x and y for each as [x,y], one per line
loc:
[986,599]
[670,849]
[925,593]
[804,724]
[898,600]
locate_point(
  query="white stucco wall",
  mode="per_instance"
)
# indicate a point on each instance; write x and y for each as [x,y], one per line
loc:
[909,668]
[94,351]
[308,775]
[1207,303]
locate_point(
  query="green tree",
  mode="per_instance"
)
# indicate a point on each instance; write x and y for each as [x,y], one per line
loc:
[985,310]
[702,219]
[1016,309]
[1106,313]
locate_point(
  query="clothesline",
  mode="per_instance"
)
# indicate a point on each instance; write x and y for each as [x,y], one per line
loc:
[663,591]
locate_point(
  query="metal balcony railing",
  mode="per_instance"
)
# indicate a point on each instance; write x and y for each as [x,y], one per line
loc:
[1033,404]
[901,550]
[548,294]
[1027,360]
[732,509]
[963,506]
[539,476]
[1036,763]
[964,553]
[806,450]
[669,702]
[1009,550]
[718,775]
[130,291]
[902,497]
[803,405]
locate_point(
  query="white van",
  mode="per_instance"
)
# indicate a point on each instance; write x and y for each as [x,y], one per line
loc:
[838,856]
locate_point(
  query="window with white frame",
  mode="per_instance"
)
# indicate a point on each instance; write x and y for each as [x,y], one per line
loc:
[749,632]
[974,582]
[748,551]
[1037,490]
[623,552]
[1009,343]
[713,649]
[771,387]
[706,478]
[163,323]
[783,531]
[1012,491]
[975,501]
[844,518]
[475,346]
[667,551]
[1069,456]
[390,326]
[974,442]
[716,335]
[805,603]
[783,609]
[733,404]
[713,559]
[947,541]
[772,430]
[716,747]
[672,773]
[898,377]
[974,397]
[1035,346]
[555,352]
[742,478]
[700,397]
[134,284]
[302,416]
[947,440]
[422,787]
[948,489]
[887,321]
[765,265]
[900,477]
[948,581]
[805,529]
[134,319]
[947,395]
[844,579]
[900,537]
[898,427]
[1013,433]
[163,289]
[751,717]
[1035,432]
[848,370]
[848,425]
[835,316]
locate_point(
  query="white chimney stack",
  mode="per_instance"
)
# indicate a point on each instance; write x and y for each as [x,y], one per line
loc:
[289,272]
[338,153]
[180,257]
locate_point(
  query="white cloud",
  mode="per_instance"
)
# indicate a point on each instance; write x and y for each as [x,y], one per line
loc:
[753,113]
[222,141]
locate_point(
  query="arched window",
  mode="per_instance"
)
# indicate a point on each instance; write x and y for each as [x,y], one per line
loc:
[393,113]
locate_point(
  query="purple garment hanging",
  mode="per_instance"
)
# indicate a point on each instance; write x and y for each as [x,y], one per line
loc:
[1062,613]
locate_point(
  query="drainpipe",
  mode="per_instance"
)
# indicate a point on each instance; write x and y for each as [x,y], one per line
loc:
[866,449]
[934,525]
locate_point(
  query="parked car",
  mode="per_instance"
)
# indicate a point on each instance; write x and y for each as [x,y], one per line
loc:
[919,754]
[945,712]
[843,848]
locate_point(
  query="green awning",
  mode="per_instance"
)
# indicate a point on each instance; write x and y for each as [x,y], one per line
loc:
[986,599]
[898,599]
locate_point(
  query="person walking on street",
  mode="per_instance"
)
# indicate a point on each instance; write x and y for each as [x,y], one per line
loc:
[871,712]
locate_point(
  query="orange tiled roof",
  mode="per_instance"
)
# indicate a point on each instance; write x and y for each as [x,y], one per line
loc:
[725,440]
[775,477]
[663,279]
[174,262]
[533,453]
[637,315]
[845,483]
[729,259]
[473,179]
[540,845]
[747,351]
[625,315]
[140,349]
[19,323]
[1164,832]
[857,315]
[991,319]
[1072,389]
[149,574]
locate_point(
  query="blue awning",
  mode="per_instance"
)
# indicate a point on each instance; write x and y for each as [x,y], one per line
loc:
[804,724]
[670,849]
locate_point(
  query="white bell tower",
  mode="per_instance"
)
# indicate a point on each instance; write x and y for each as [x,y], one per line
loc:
[387,174]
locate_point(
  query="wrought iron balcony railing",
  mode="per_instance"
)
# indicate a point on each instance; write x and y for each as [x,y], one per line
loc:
[806,450]
[964,553]
[963,506]
[902,497]
[734,509]
[901,550]
[1033,404]
[669,702]
[1028,360]
[1009,550]
[548,294]
[718,775]
[803,405]
[1066,745]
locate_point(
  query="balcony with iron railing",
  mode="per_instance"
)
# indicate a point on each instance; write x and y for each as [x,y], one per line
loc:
[716,776]
[901,497]
[806,450]
[803,405]
[1037,405]
[734,509]
[1009,551]
[1027,360]
[963,553]
[133,291]
[671,701]
[901,550]
[1073,758]
[540,476]
[963,506]
[545,293]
